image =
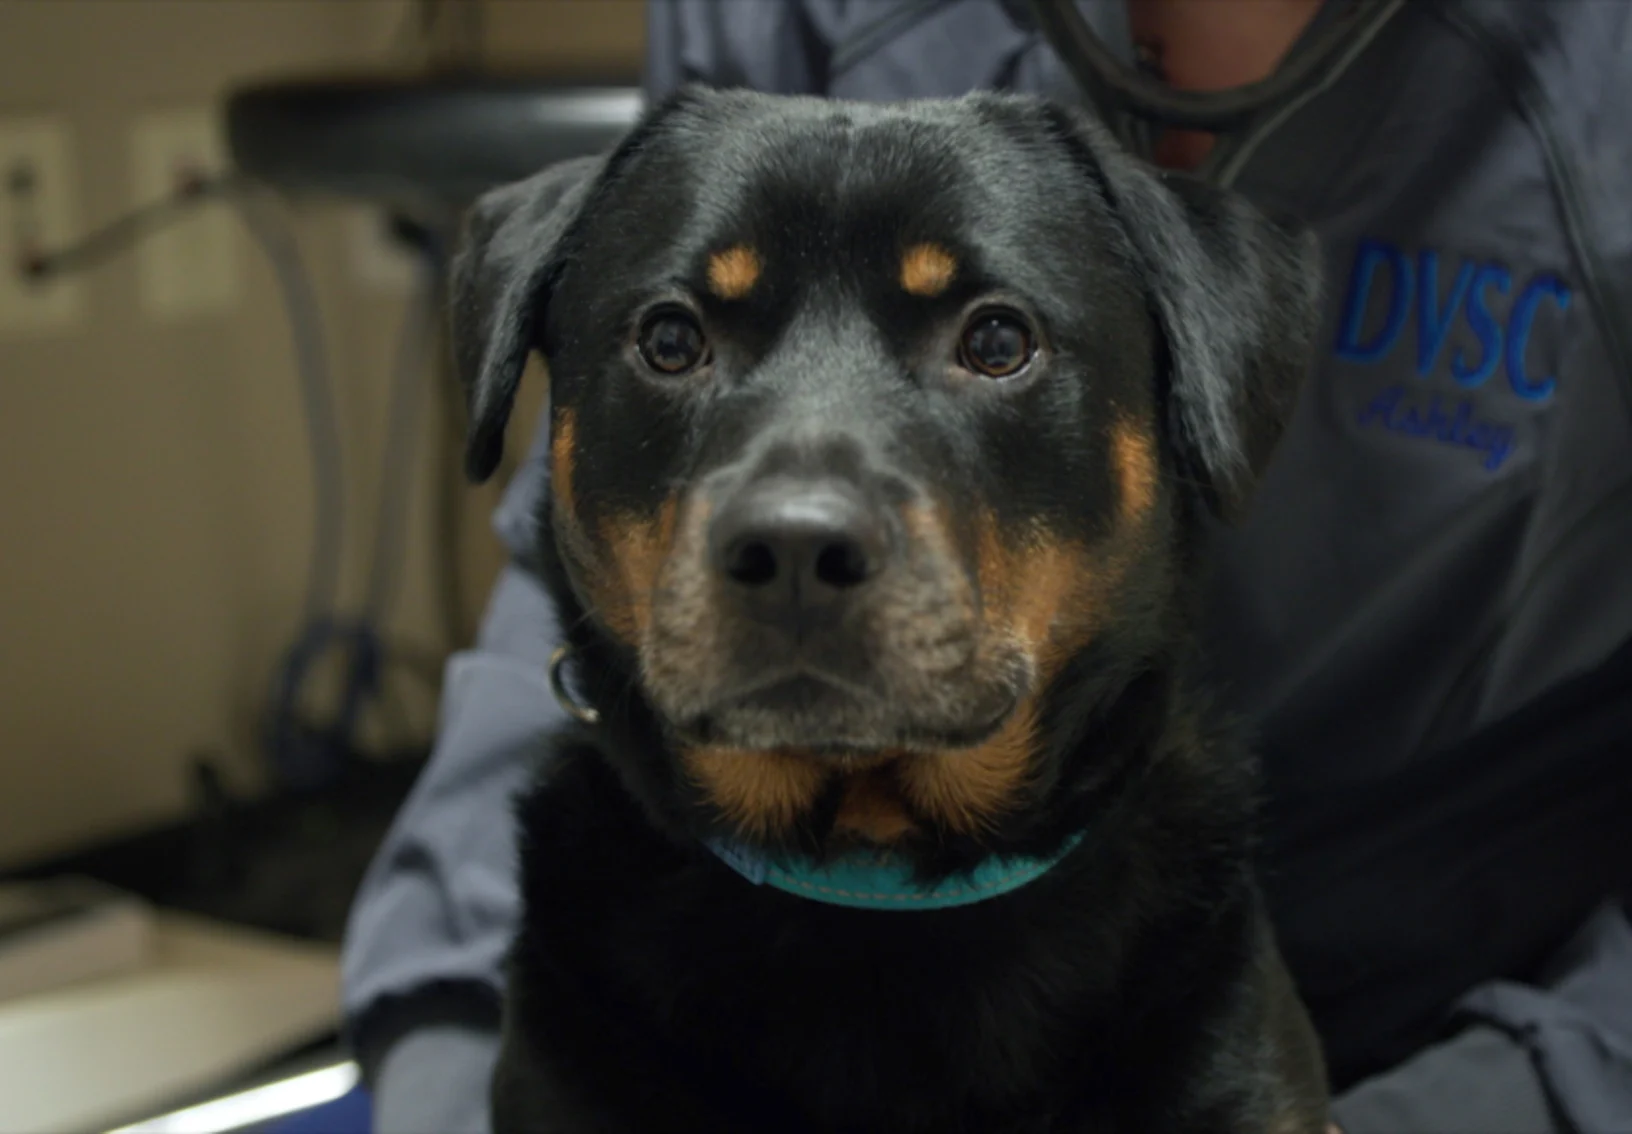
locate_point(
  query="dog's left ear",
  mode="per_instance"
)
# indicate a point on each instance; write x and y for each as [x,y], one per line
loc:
[500,278]
[1237,295]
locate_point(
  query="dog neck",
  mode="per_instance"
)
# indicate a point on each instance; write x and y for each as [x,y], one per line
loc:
[880,881]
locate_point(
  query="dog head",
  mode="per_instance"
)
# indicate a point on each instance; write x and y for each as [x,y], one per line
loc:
[878,433]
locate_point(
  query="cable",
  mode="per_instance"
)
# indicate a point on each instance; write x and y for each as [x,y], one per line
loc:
[300,755]
[301,309]
[306,757]
[110,240]
[1227,160]
[1114,85]
[289,756]
[404,416]
[300,306]
[303,757]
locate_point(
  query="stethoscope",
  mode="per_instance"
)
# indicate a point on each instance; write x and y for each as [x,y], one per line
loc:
[1137,102]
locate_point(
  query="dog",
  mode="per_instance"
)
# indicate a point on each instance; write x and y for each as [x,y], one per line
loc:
[883,445]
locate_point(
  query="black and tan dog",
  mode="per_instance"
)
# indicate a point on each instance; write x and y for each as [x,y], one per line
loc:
[882,440]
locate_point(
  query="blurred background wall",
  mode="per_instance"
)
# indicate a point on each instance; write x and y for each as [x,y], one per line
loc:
[155,488]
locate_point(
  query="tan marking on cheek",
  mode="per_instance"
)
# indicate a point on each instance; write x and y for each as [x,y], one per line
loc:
[929,525]
[930,536]
[636,548]
[763,793]
[562,454]
[873,810]
[927,270]
[995,574]
[1133,456]
[1057,603]
[569,532]
[968,789]
[733,273]
[1039,597]
[1039,592]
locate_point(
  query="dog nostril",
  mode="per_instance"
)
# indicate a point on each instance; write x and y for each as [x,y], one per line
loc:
[795,545]
[752,563]
[842,564]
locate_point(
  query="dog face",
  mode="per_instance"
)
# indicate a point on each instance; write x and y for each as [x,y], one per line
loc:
[869,423]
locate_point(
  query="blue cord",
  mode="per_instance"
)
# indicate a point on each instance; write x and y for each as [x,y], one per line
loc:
[304,757]
[408,386]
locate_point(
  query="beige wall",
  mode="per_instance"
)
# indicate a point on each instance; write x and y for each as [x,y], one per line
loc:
[154,486]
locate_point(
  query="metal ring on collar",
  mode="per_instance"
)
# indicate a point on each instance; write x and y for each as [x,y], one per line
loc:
[558,685]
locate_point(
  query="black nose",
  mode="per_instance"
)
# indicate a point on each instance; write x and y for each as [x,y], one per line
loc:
[792,548]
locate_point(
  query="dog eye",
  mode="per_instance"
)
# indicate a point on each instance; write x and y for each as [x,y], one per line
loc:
[671,342]
[997,344]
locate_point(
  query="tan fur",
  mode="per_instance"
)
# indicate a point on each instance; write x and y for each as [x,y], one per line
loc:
[873,810]
[574,542]
[1133,455]
[563,452]
[966,790]
[637,547]
[1039,596]
[761,792]
[927,270]
[733,273]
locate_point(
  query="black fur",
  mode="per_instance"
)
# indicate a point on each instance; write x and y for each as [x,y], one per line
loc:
[1136,987]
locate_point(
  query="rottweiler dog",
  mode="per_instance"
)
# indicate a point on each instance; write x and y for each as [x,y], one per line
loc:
[883,442]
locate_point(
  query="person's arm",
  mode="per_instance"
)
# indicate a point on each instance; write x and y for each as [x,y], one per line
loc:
[1531,1059]
[423,952]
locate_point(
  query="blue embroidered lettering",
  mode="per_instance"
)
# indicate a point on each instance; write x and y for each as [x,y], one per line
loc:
[1382,407]
[1433,318]
[1479,320]
[1468,314]
[1484,327]
[1495,441]
[1430,420]
[1371,255]
[1519,325]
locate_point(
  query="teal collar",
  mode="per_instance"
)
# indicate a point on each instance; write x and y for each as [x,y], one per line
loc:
[880,883]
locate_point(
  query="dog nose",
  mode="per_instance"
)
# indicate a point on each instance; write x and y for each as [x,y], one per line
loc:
[790,548]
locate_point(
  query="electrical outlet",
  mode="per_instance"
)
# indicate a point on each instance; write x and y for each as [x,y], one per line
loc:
[191,268]
[37,214]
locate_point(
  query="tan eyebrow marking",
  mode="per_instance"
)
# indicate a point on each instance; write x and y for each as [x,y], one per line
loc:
[1134,456]
[733,272]
[927,269]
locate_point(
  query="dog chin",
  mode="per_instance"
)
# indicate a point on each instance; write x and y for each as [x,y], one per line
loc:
[808,718]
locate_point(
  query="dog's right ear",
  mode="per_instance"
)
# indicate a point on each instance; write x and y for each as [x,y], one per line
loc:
[508,257]
[1236,294]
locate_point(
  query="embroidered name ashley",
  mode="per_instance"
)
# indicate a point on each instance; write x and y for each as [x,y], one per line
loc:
[1433,420]
[1470,328]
